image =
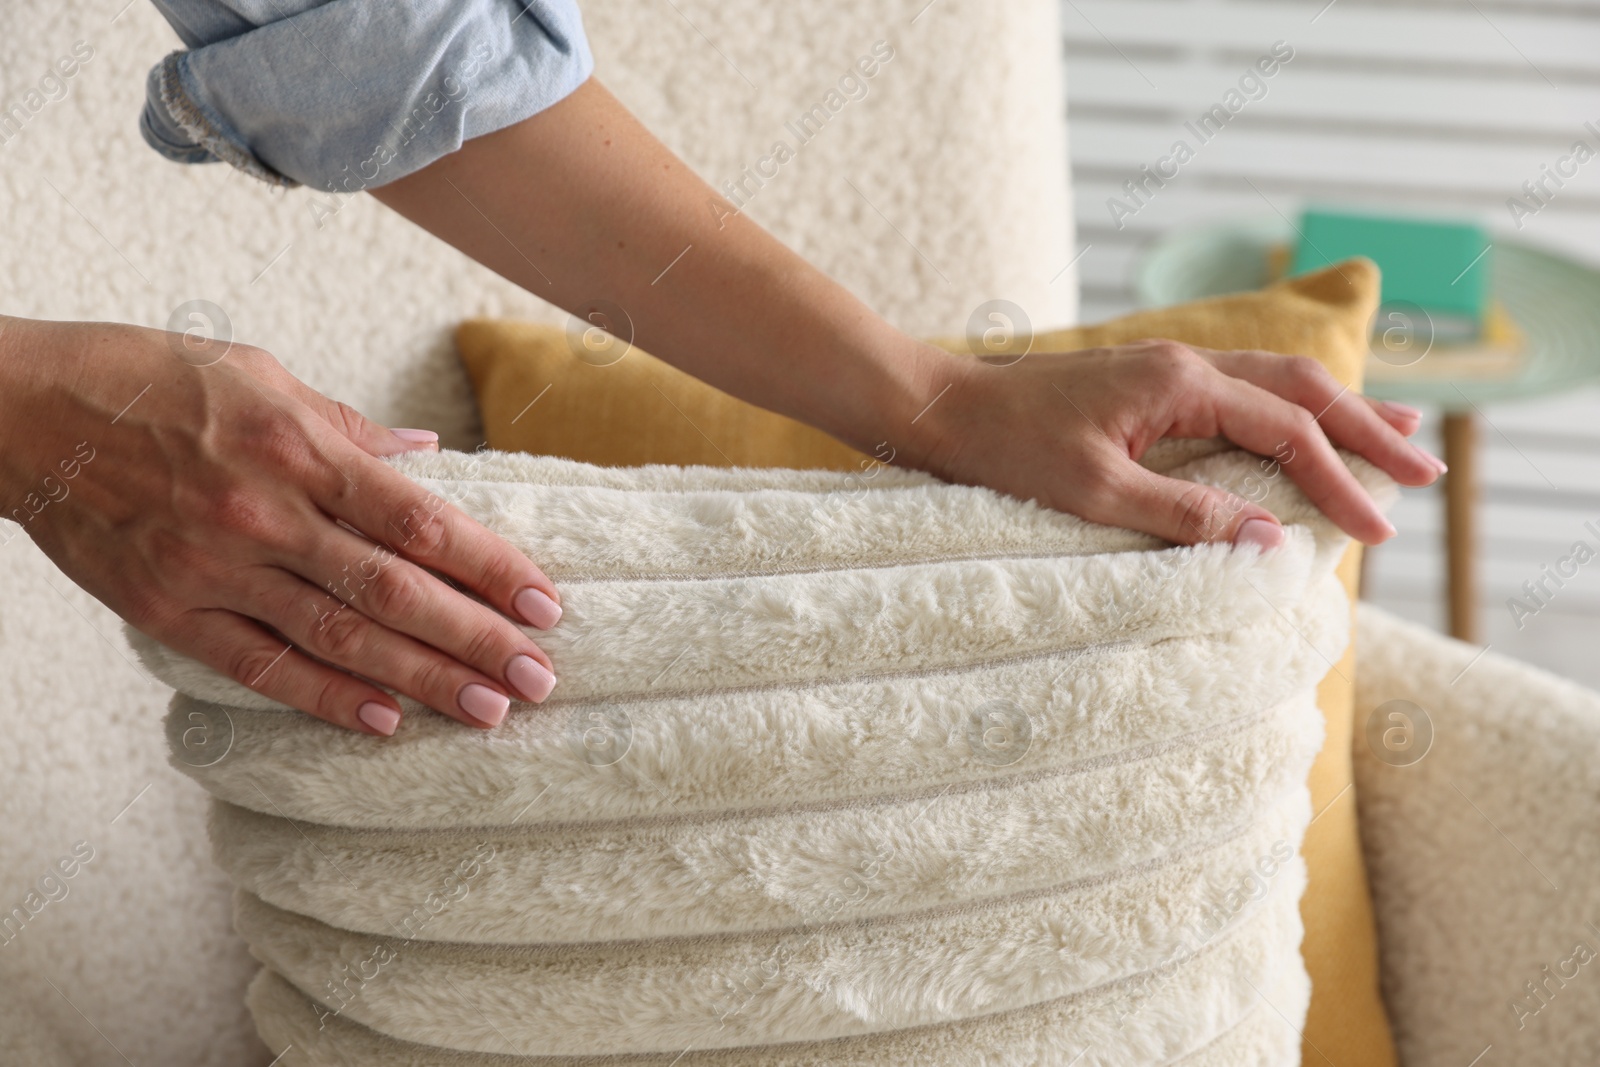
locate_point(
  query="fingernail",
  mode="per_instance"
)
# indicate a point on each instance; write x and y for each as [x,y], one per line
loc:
[483,703]
[1259,533]
[417,437]
[1403,409]
[531,678]
[536,608]
[1435,461]
[381,717]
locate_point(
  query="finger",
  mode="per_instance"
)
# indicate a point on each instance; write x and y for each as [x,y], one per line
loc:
[345,420]
[1353,422]
[398,594]
[390,508]
[361,431]
[1375,430]
[1184,513]
[1403,417]
[1267,424]
[244,651]
[340,635]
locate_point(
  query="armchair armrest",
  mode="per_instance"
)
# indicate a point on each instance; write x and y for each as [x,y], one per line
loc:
[1478,780]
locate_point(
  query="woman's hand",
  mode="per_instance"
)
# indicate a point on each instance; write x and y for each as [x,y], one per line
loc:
[1068,428]
[225,508]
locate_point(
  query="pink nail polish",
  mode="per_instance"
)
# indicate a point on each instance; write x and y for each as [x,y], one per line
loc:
[483,703]
[1403,409]
[417,437]
[536,608]
[1259,533]
[381,717]
[530,678]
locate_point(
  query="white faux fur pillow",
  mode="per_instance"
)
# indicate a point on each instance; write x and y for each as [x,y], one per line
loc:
[843,769]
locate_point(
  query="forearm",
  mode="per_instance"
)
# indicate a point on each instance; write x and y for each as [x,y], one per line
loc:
[37,395]
[581,203]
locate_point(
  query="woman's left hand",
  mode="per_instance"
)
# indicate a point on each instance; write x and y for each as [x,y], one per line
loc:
[1068,428]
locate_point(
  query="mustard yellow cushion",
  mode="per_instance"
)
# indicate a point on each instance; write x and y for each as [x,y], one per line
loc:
[537,395]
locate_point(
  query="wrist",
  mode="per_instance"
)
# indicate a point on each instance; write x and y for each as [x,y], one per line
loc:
[36,379]
[889,406]
[924,411]
[919,412]
[10,414]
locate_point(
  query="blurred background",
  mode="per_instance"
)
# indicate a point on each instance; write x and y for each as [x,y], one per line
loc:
[1426,108]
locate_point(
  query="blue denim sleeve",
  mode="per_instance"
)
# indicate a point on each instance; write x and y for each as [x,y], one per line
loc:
[350,94]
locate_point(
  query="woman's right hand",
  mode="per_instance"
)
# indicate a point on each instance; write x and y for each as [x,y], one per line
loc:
[228,510]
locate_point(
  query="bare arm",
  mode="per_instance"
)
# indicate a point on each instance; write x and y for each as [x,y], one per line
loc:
[581,202]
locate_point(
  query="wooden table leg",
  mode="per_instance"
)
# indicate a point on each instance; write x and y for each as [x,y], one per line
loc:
[1460,523]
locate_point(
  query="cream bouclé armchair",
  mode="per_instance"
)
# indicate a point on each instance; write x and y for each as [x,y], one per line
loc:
[942,187]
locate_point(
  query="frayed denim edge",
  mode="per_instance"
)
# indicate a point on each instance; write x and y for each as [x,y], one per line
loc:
[194,120]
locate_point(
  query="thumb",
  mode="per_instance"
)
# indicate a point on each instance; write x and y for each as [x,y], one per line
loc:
[1189,513]
[365,434]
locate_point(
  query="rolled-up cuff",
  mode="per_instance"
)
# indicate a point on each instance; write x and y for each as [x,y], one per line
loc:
[181,129]
[349,94]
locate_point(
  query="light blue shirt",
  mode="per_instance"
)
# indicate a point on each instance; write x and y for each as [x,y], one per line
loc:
[347,95]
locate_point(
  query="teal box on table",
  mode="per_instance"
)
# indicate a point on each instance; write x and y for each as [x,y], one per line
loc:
[1440,266]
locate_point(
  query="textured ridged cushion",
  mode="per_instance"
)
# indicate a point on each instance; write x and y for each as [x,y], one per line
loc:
[843,769]
[640,410]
